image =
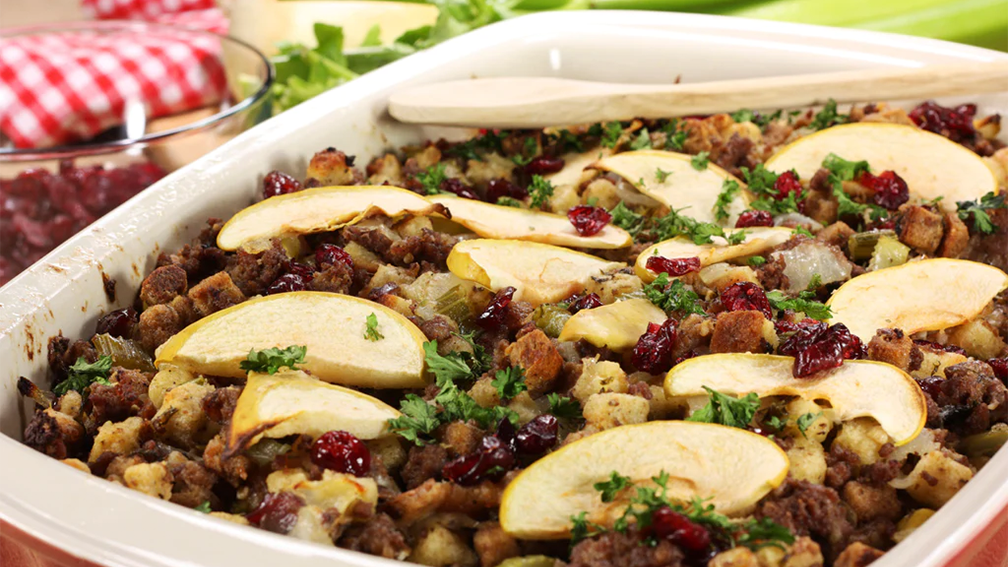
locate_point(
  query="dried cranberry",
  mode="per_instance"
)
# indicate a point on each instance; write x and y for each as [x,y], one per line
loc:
[673,266]
[754,218]
[653,351]
[452,185]
[491,460]
[277,183]
[588,220]
[817,347]
[277,513]
[286,283]
[306,272]
[680,530]
[332,254]
[506,433]
[590,301]
[1000,366]
[543,165]
[940,347]
[932,385]
[340,451]
[746,296]
[118,323]
[890,191]
[493,316]
[498,188]
[786,184]
[537,436]
[955,124]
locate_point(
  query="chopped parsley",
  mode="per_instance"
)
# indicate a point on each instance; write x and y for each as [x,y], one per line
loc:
[470,149]
[509,383]
[805,303]
[371,328]
[675,137]
[541,190]
[978,210]
[418,420]
[625,218]
[672,296]
[271,360]
[528,153]
[610,488]
[764,532]
[802,230]
[449,367]
[700,161]
[756,261]
[204,507]
[743,115]
[843,170]
[563,407]
[729,189]
[805,420]
[727,410]
[675,224]
[827,117]
[642,141]
[432,178]
[83,373]
[611,133]
[661,175]
[509,202]
[761,181]
[567,141]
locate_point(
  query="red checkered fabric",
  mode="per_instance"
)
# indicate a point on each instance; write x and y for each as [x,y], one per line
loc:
[68,87]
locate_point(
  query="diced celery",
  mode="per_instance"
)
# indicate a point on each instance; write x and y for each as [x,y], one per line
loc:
[124,352]
[453,304]
[862,244]
[529,561]
[550,318]
[983,444]
[888,252]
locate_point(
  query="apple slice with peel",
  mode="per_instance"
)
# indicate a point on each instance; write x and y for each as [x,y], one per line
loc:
[926,295]
[758,240]
[616,326]
[321,209]
[858,388]
[291,402]
[540,273]
[574,166]
[330,325]
[732,467]
[932,165]
[496,221]
[671,179]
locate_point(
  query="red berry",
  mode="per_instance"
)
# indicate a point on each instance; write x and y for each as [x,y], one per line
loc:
[588,220]
[680,530]
[537,436]
[332,254]
[452,185]
[543,165]
[890,191]
[1000,366]
[931,385]
[754,218]
[673,266]
[340,451]
[493,316]
[786,184]
[503,188]
[817,347]
[956,124]
[277,183]
[590,301]
[277,513]
[286,283]
[940,347]
[491,460]
[118,323]
[746,296]
[304,270]
[653,351]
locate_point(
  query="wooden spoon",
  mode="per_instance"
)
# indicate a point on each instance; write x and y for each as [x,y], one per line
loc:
[537,102]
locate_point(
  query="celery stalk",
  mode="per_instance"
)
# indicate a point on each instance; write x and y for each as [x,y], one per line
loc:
[831,12]
[978,22]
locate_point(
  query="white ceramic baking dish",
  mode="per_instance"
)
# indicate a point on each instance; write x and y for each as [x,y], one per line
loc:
[51,507]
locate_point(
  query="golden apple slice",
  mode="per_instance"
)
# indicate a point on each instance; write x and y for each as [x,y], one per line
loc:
[616,326]
[574,166]
[932,165]
[330,325]
[858,388]
[321,209]
[927,295]
[733,467]
[671,179]
[540,273]
[495,221]
[758,240]
[291,402]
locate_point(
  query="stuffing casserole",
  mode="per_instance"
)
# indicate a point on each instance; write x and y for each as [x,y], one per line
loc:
[513,373]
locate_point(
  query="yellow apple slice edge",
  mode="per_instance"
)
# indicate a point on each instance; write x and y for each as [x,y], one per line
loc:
[616,326]
[758,240]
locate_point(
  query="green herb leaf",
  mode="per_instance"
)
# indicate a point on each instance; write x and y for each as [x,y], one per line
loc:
[675,224]
[802,230]
[472,149]
[675,137]
[642,141]
[729,189]
[82,374]
[563,407]
[432,178]
[541,190]
[567,141]
[529,152]
[756,261]
[661,175]
[827,117]
[672,296]
[450,367]
[611,134]
[610,488]
[371,328]
[582,529]
[743,115]
[760,182]
[204,507]
[978,210]
[509,202]
[804,303]
[805,420]
[765,532]
[727,410]
[418,419]
[271,360]
[626,219]
[843,170]
[509,383]
[700,161]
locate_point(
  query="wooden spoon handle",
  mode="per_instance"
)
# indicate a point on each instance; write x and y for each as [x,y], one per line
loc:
[537,102]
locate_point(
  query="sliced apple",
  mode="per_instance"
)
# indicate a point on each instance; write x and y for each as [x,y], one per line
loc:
[679,186]
[758,240]
[495,221]
[291,402]
[540,273]
[927,295]
[321,209]
[932,165]
[330,325]
[574,166]
[733,467]
[616,326]
[858,388]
